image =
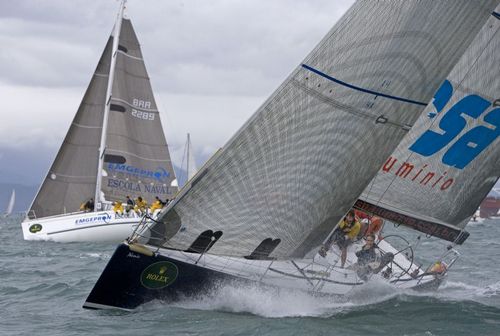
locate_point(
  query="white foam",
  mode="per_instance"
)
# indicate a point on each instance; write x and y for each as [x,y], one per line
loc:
[288,303]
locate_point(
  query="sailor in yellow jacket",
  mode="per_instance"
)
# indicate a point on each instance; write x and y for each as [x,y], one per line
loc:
[343,236]
[140,206]
[158,204]
[118,208]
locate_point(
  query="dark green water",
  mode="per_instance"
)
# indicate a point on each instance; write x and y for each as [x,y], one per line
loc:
[43,286]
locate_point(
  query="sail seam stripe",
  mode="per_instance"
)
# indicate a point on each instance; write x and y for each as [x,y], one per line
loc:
[354,87]
[71,176]
[100,74]
[84,126]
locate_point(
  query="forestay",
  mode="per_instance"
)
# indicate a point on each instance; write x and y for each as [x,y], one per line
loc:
[450,160]
[295,168]
[137,161]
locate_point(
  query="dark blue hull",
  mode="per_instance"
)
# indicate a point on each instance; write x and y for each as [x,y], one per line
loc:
[131,279]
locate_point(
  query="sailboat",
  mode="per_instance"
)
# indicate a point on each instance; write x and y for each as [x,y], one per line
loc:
[259,210]
[115,147]
[10,205]
[190,164]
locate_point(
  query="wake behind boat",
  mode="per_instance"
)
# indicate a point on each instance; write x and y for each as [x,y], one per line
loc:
[115,147]
[259,211]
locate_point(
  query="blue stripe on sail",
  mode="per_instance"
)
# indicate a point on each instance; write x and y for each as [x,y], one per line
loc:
[362,89]
[495,14]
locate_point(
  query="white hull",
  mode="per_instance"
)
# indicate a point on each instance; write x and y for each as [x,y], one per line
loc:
[101,226]
[321,275]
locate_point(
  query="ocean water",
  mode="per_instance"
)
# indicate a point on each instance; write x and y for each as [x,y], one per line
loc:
[43,286]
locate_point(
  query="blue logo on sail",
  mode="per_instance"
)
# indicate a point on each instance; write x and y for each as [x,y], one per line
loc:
[160,174]
[470,144]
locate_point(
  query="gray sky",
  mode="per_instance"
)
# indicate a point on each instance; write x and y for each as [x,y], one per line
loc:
[211,63]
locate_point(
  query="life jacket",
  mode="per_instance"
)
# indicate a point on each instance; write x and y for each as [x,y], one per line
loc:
[439,267]
[351,230]
[374,226]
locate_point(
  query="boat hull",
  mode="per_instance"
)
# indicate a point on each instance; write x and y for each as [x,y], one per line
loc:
[135,275]
[103,226]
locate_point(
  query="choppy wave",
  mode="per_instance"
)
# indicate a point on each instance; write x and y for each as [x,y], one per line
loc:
[46,284]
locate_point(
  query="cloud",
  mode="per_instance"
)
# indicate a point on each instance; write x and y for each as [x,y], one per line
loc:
[211,63]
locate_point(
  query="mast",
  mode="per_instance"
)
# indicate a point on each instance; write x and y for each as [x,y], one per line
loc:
[187,158]
[102,146]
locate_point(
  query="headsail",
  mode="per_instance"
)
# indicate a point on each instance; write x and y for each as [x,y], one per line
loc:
[294,169]
[450,160]
[136,161]
[72,176]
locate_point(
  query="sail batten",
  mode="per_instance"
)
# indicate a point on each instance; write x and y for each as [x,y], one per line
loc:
[300,162]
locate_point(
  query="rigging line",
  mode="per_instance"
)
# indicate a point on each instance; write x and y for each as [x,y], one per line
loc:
[471,67]
[181,173]
[335,80]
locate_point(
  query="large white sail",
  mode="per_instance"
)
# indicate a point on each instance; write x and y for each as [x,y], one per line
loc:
[136,160]
[295,168]
[450,160]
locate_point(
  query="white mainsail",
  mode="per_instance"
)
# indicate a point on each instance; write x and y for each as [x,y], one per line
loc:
[10,205]
[136,160]
[439,174]
[300,162]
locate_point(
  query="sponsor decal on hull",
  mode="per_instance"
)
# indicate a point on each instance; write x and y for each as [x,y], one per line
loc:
[99,218]
[35,228]
[159,275]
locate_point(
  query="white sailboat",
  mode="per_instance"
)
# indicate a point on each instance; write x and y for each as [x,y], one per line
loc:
[188,162]
[115,147]
[260,209]
[10,205]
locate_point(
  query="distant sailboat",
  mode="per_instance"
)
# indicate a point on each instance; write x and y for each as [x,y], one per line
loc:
[188,163]
[10,205]
[115,147]
[259,210]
